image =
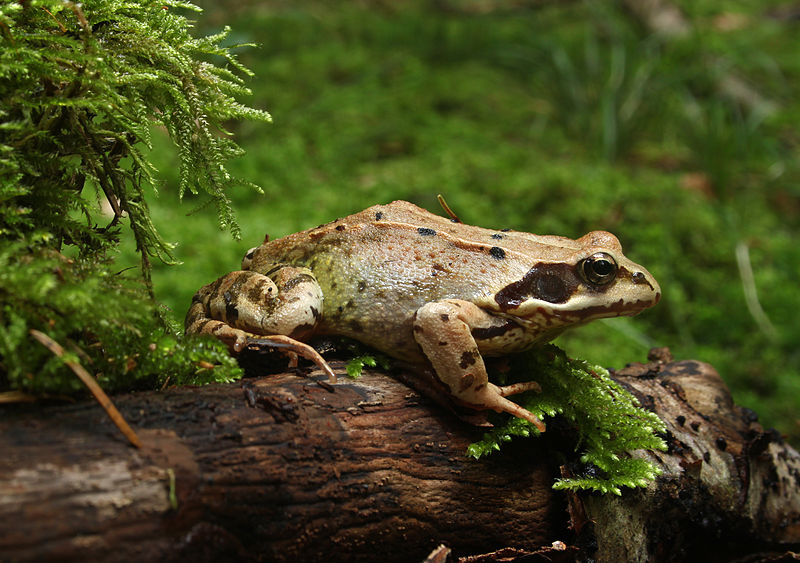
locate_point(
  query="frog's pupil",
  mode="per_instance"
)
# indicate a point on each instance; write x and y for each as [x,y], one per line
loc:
[602,267]
[599,269]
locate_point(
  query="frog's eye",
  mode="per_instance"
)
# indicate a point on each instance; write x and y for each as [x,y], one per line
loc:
[598,269]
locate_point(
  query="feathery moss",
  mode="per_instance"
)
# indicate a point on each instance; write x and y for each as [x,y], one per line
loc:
[609,420]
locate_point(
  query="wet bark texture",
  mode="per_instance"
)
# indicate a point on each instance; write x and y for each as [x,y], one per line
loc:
[282,468]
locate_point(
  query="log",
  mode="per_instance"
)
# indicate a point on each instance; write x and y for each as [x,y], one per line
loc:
[729,489]
[286,468]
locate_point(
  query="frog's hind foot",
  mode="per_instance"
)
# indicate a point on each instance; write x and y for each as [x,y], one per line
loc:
[237,340]
[293,346]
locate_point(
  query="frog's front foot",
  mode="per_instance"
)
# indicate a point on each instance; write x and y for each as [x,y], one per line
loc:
[495,398]
[520,388]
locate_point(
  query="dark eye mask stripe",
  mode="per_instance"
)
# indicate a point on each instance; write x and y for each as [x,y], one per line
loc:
[554,283]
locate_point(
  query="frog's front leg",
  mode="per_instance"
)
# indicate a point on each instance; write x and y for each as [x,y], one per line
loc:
[276,309]
[444,331]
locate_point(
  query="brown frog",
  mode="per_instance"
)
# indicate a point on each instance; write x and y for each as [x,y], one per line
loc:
[428,290]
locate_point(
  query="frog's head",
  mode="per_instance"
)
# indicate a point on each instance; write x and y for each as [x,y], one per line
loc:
[586,280]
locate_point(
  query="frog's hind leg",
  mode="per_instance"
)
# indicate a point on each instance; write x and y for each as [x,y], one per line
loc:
[443,329]
[295,346]
[247,308]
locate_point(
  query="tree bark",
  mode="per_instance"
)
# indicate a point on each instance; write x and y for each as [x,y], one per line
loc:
[284,468]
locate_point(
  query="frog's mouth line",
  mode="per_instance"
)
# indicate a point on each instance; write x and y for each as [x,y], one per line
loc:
[555,316]
[620,308]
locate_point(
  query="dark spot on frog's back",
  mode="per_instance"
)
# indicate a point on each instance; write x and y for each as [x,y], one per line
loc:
[379,215]
[497,252]
[497,236]
[554,283]
[426,232]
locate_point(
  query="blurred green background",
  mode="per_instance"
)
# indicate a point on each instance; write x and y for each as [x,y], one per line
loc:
[548,117]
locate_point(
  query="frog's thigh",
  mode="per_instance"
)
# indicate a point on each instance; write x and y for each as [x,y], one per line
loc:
[298,305]
[443,330]
[289,303]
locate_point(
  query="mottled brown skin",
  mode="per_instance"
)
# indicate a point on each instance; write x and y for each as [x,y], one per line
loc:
[428,290]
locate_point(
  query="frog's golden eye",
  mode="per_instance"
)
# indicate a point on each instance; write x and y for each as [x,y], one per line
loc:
[598,269]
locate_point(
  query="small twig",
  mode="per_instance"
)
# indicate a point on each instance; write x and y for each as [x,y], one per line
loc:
[173,497]
[447,209]
[751,293]
[16,397]
[55,19]
[89,381]
[76,9]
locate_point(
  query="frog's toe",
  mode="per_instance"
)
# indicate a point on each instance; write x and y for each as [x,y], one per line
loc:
[493,398]
[519,388]
[516,410]
[302,349]
[239,342]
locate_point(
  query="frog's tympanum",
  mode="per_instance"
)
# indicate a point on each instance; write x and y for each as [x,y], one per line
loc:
[428,290]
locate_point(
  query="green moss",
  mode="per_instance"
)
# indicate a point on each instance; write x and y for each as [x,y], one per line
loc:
[608,419]
[106,323]
[357,365]
[81,87]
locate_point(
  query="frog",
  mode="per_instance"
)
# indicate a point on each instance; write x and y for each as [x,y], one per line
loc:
[437,294]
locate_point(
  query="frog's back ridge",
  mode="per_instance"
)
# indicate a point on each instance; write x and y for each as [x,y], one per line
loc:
[549,247]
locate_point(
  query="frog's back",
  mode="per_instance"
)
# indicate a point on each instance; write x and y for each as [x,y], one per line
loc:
[378,266]
[401,247]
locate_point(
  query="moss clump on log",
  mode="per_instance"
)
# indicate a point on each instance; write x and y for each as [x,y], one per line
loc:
[610,422]
[81,88]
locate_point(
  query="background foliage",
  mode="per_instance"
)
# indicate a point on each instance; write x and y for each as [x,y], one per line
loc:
[547,117]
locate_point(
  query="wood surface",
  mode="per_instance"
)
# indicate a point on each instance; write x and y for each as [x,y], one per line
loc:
[285,468]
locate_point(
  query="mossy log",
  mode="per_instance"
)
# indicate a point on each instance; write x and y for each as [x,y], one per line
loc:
[286,468]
